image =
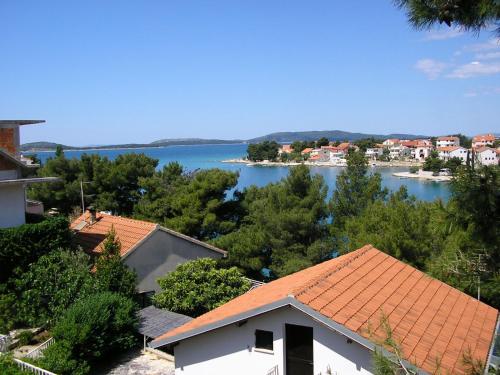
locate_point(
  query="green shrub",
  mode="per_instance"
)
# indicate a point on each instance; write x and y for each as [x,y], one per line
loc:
[8,309]
[8,366]
[49,286]
[25,337]
[59,359]
[89,330]
[24,244]
[199,286]
[414,169]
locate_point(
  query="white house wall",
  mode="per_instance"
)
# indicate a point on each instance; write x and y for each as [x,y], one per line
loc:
[230,350]
[12,206]
[160,254]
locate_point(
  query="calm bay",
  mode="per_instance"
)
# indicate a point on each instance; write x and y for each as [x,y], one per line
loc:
[194,157]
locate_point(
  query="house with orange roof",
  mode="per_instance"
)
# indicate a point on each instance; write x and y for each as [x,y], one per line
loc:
[285,149]
[483,140]
[330,318]
[391,142]
[148,248]
[306,151]
[449,152]
[448,141]
[486,156]
[13,171]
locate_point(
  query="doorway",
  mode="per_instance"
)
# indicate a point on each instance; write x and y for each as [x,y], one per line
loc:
[299,350]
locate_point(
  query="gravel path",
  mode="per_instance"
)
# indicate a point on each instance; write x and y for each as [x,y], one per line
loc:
[137,362]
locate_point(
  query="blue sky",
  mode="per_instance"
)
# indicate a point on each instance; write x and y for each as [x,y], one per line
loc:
[137,71]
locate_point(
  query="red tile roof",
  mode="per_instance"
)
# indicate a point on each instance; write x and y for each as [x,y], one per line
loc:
[448,148]
[129,231]
[483,149]
[484,138]
[429,318]
[344,146]
[306,150]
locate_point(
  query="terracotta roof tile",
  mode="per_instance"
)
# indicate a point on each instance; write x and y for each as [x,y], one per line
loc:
[433,321]
[129,231]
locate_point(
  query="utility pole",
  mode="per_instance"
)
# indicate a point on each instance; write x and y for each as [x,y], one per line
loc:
[81,192]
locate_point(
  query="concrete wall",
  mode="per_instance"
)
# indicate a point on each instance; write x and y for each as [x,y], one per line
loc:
[230,350]
[12,206]
[162,253]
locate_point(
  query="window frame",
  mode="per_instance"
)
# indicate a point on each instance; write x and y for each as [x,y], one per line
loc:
[259,345]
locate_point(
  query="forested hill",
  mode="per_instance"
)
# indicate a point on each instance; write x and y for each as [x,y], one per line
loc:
[48,146]
[332,135]
[281,137]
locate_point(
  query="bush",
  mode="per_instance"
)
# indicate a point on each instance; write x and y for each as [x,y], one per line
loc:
[59,359]
[414,169]
[23,245]
[89,330]
[51,284]
[25,338]
[199,286]
[8,366]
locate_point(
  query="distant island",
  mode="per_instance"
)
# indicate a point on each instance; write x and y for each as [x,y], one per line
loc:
[280,137]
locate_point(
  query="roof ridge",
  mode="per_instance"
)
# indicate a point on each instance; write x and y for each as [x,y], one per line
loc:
[316,280]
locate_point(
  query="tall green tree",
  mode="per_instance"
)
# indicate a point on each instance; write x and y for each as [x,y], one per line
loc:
[111,273]
[285,226]
[433,163]
[400,226]
[111,185]
[355,189]
[192,203]
[267,150]
[323,141]
[474,15]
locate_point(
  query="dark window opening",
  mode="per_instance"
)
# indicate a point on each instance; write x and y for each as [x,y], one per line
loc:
[263,339]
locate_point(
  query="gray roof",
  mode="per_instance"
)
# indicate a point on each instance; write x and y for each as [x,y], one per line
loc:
[19,122]
[154,322]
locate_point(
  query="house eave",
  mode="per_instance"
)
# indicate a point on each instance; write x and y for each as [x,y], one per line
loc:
[288,301]
[23,181]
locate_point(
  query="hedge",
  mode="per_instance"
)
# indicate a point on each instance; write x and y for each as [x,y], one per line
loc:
[24,244]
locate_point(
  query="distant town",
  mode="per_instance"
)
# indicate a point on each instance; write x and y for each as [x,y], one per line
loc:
[433,158]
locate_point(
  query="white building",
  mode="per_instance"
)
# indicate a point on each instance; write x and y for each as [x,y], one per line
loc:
[399,152]
[486,156]
[447,142]
[483,140]
[374,153]
[447,153]
[13,168]
[421,153]
[325,319]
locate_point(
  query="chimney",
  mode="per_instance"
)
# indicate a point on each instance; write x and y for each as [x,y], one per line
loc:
[9,140]
[93,216]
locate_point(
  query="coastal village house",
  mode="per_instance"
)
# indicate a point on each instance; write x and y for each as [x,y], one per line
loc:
[328,319]
[13,181]
[486,156]
[483,140]
[447,142]
[148,248]
[449,152]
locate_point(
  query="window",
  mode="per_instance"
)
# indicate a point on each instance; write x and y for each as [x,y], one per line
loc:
[263,339]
